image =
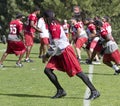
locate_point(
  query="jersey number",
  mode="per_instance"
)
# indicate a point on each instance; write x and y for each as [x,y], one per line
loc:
[13,29]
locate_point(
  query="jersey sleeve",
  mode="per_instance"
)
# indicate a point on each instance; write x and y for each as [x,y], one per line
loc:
[104,33]
[91,27]
[20,26]
[32,17]
[77,26]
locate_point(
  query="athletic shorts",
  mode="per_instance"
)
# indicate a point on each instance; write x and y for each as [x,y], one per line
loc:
[80,42]
[66,62]
[98,47]
[29,39]
[115,57]
[44,41]
[15,47]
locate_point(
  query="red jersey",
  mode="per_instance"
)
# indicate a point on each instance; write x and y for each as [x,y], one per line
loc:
[91,27]
[16,26]
[104,33]
[81,24]
[107,26]
[55,30]
[31,17]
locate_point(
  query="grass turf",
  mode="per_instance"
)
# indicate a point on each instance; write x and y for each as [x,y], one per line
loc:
[28,86]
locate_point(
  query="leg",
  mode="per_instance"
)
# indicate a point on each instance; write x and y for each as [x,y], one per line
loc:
[114,66]
[45,49]
[85,79]
[90,57]
[94,53]
[108,63]
[40,50]
[20,58]
[53,78]
[28,51]
[78,53]
[88,53]
[3,57]
[18,63]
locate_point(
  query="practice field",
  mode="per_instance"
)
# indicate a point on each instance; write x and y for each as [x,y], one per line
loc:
[28,86]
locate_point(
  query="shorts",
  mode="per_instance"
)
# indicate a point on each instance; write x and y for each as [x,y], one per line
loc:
[80,42]
[66,62]
[29,39]
[15,47]
[44,41]
[114,56]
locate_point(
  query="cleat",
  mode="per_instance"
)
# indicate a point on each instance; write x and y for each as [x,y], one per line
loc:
[117,72]
[60,93]
[94,95]
[1,66]
[28,60]
[79,59]
[19,64]
[88,61]
[40,56]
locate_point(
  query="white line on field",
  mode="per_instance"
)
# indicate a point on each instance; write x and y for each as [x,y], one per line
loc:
[87,102]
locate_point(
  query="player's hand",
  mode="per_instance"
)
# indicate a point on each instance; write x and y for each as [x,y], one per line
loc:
[44,59]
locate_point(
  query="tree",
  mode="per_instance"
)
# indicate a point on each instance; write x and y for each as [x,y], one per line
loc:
[63,10]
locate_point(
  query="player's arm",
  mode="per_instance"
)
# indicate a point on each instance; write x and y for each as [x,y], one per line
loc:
[78,31]
[21,34]
[52,50]
[21,31]
[34,26]
[93,34]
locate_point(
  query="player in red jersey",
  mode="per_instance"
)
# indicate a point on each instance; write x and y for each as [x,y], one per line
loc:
[106,24]
[111,52]
[80,35]
[99,48]
[15,44]
[92,39]
[62,57]
[30,29]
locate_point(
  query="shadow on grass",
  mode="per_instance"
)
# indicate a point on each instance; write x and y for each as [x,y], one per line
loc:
[35,53]
[25,95]
[12,66]
[38,96]
[10,60]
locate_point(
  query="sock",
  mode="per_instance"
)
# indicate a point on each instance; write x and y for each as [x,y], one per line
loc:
[115,67]
[86,80]
[53,78]
[27,59]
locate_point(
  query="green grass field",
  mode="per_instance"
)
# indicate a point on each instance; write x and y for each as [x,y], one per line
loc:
[28,86]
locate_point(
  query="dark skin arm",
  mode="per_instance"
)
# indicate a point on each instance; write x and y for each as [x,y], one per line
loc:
[35,27]
[93,34]
[21,34]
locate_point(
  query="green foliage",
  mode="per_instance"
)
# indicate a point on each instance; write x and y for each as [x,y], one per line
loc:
[63,10]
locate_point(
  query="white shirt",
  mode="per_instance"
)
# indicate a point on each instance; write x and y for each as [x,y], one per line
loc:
[42,26]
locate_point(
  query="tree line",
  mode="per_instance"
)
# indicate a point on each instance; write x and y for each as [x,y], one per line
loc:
[63,10]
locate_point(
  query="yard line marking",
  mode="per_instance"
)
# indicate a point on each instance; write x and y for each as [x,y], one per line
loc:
[87,102]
